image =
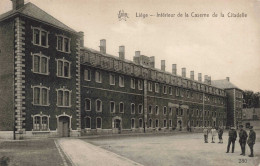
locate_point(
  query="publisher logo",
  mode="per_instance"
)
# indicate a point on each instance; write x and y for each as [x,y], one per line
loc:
[122,15]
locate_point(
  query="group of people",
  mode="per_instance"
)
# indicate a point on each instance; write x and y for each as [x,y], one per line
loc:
[232,138]
[242,139]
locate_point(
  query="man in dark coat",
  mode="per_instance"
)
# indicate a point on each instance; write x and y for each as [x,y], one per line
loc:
[220,133]
[251,140]
[232,139]
[242,139]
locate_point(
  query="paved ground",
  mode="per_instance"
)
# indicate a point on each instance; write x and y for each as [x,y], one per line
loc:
[180,150]
[39,152]
[82,153]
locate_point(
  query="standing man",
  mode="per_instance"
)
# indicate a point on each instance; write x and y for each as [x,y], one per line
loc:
[205,131]
[251,140]
[242,139]
[232,139]
[213,134]
[220,133]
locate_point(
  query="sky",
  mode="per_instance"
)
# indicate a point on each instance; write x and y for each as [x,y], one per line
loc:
[216,46]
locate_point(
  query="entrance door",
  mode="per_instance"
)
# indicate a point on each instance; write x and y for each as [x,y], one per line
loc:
[179,125]
[63,126]
[117,126]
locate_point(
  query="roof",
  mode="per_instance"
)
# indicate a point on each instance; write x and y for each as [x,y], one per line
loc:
[35,12]
[224,84]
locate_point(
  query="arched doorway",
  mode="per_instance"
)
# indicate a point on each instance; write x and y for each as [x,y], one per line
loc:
[64,125]
[117,125]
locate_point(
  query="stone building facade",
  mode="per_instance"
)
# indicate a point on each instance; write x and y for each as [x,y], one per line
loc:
[51,85]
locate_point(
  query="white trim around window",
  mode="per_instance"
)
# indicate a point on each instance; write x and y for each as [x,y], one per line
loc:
[41,122]
[112,104]
[63,68]
[98,76]
[112,79]
[156,88]
[40,63]
[150,86]
[63,43]
[140,85]
[97,123]
[40,37]
[63,97]
[87,75]
[98,108]
[121,107]
[40,95]
[140,108]
[121,81]
[157,110]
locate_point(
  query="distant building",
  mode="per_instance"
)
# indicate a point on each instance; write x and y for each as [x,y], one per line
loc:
[51,85]
[234,101]
[251,117]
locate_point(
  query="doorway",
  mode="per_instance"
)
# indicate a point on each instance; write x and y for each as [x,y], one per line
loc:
[63,126]
[117,125]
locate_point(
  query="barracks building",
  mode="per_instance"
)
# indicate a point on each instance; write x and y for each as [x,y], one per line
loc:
[53,86]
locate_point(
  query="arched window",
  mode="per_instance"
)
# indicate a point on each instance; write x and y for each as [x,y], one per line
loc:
[132,108]
[63,97]
[150,123]
[132,123]
[98,123]
[156,110]
[140,123]
[88,123]
[40,95]
[121,107]
[140,108]
[40,122]
[164,110]
[87,104]
[98,105]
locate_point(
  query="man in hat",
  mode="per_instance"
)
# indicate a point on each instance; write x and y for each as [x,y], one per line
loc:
[220,133]
[242,139]
[232,134]
[206,132]
[251,140]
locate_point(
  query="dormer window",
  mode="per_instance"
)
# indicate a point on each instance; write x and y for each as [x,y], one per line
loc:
[40,37]
[63,43]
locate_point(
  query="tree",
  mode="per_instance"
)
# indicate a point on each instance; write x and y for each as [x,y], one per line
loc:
[251,99]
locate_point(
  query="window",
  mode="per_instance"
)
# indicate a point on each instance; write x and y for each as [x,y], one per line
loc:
[99,123]
[164,110]
[40,37]
[87,104]
[41,95]
[150,86]
[181,110]
[98,77]
[63,43]
[140,123]
[156,110]
[140,108]
[40,64]
[63,68]
[164,89]
[112,107]
[121,107]
[132,123]
[177,92]
[140,84]
[177,111]
[170,90]
[112,79]
[170,123]
[121,81]
[170,111]
[88,122]
[156,87]
[150,123]
[98,105]
[156,123]
[40,122]
[150,109]
[132,108]
[63,97]
[164,123]
[87,75]
[132,83]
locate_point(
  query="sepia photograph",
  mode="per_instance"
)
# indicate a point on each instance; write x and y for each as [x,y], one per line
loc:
[129,83]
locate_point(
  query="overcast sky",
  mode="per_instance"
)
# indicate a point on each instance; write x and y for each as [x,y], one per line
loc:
[220,47]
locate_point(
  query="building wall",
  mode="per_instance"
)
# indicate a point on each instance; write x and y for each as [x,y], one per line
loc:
[7,75]
[189,101]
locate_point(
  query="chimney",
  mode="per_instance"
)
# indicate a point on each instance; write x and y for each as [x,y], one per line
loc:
[206,79]
[192,75]
[183,72]
[137,57]
[103,46]
[227,78]
[122,52]
[152,62]
[17,4]
[163,65]
[209,80]
[81,39]
[200,77]
[174,69]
